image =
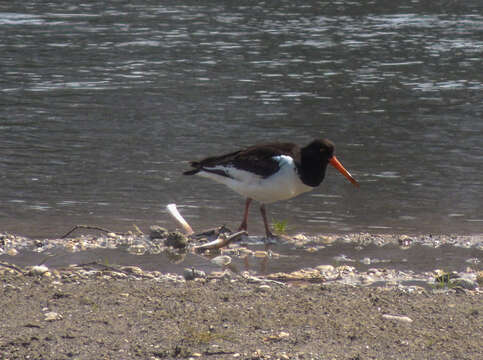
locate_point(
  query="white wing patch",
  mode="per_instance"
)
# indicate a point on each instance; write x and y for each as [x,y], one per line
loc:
[282,185]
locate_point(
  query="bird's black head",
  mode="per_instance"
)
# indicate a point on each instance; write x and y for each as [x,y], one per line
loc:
[321,149]
[322,152]
[314,158]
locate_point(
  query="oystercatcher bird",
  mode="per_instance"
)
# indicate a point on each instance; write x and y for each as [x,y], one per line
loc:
[271,172]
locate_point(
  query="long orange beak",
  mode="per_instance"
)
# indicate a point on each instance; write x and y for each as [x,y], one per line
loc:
[336,163]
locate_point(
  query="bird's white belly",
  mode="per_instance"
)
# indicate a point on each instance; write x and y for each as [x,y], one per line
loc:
[284,184]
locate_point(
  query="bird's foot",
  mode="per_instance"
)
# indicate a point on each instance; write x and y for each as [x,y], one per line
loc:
[270,238]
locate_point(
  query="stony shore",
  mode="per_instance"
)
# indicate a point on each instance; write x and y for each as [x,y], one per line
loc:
[342,310]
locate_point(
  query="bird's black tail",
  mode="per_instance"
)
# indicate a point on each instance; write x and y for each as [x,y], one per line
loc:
[192,171]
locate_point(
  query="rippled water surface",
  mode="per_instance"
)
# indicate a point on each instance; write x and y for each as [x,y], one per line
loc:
[102,105]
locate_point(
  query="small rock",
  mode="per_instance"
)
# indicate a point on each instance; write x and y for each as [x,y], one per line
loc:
[283,334]
[343,258]
[133,270]
[374,271]
[157,232]
[223,260]
[137,249]
[277,337]
[327,239]
[176,240]
[52,316]
[366,279]
[263,288]
[117,275]
[465,283]
[260,254]
[12,252]
[479,278]
[310,275]
[38,270]
[405,241]
[473,261]
[398,318]
[345,269]
[325,268]
[301,237]
[191,274]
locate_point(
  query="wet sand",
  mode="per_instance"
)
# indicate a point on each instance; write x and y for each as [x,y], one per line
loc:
[100,310]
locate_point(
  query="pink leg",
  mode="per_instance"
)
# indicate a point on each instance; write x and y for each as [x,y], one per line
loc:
[244,224]
[264,216]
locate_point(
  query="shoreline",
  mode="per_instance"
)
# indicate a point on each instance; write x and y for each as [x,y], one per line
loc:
[206,307]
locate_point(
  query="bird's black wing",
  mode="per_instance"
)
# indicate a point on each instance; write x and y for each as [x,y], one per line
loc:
[258,159]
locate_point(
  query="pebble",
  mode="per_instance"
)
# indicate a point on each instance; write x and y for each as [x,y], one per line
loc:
[133,270]
[191,274]
[264,288]
[222,260]
[366,279]
[343,258]
[260,254]
[325,268]
[465,283]
[177,240]
[479,278]
[137,249]
[311,275]
[157,232]
[52,316]
[12,252]
[401,318]
[374,271]
[38,270]
[117,275]
[345,269]
[405,241]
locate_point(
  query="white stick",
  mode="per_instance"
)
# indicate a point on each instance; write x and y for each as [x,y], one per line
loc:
[177,216]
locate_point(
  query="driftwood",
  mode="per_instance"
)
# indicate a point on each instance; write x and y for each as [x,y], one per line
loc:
[98,228]
[173,211]
[89,227]
[222,241]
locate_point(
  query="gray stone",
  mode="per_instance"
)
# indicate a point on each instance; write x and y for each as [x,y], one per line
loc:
[177,240]
[157,232]
[191,274]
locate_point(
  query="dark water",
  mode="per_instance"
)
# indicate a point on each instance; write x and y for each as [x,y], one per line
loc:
[102,103]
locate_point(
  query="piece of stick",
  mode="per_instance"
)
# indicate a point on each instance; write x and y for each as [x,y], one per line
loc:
[220,242]
[87,227]
[173,211]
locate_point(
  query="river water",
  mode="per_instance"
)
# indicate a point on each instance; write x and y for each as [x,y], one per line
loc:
[103,103]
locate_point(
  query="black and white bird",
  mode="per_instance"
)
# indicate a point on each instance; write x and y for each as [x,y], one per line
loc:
[271,172]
